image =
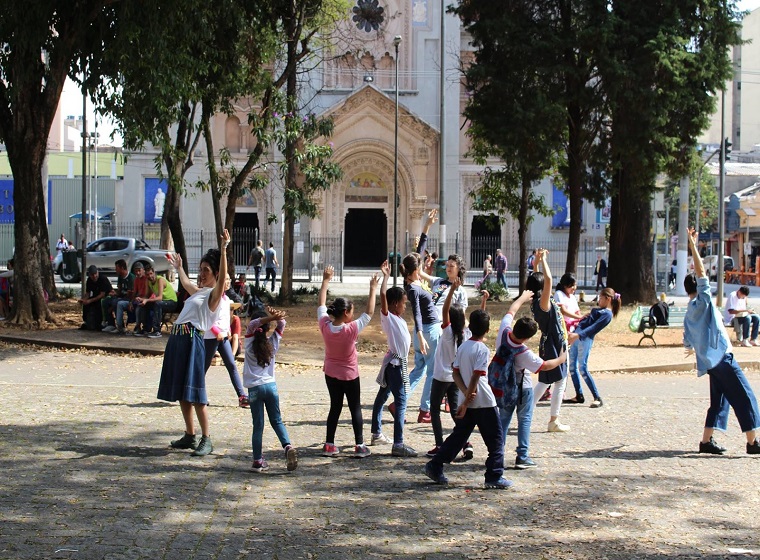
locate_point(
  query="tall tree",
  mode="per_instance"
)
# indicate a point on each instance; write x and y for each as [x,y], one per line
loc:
[660,64]
[535,94]
[41,41]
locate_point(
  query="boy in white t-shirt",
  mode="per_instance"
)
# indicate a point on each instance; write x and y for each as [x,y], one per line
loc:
[526,361]
[478,408]
[394,373]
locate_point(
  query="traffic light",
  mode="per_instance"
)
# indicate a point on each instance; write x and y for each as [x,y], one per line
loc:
[726,148]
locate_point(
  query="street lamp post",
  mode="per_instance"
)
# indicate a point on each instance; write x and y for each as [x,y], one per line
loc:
[396,43]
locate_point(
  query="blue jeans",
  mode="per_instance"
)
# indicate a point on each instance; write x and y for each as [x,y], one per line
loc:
[578,359]
[501,278]
[259,397]
[212,346]
[424,363]
[122,307]
[487,421]
[524,419]
[745,323]
[393,384]
[729,388]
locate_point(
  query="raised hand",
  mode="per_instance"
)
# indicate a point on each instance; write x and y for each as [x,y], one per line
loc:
[385,268]
[328,272]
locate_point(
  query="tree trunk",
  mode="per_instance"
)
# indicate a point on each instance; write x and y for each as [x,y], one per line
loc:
[213,179]
[630,259]
[32,263]
[522,230]
[575,177]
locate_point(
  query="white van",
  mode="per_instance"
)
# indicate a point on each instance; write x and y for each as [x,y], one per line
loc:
[711,265]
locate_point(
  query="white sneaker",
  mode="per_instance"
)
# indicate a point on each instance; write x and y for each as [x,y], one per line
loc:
[754,342]
[557,426]
[379,438]
[745,342]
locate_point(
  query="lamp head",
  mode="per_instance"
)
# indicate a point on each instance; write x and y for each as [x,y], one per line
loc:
[397,41]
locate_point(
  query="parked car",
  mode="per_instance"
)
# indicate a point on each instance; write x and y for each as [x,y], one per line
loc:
[104,252]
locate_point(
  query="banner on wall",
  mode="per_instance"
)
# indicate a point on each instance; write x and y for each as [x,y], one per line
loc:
[561,206]
[603,215]
[155,196]
[7,208]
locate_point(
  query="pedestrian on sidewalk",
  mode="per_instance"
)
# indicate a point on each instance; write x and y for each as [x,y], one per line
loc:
[258,377]
[340,331]
[183,377]
[705,335]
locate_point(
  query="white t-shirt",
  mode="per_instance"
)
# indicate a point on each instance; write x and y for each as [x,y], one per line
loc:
[197,312]
[473,356]
[253,374]
[440,289]
[733,302]
[527,361]
[222,321]
[397,331]
[361,322]
[445,354]
[569,303]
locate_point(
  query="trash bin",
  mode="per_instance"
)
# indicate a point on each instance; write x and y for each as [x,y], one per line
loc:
[70,266]
[394,262]
[439,268]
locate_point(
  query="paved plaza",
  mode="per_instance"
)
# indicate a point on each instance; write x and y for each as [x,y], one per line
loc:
[88,473]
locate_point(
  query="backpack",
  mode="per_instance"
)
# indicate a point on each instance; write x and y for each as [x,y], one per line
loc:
[502,377]
[659,313]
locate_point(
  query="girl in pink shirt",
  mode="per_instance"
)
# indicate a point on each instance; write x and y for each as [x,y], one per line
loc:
[340,330]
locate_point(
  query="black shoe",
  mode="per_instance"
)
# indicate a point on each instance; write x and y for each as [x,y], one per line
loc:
[578,399]
[526,463]
[754,447]
[187,441]
[714,449]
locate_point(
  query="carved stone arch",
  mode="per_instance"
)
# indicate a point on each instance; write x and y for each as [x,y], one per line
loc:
[376,157]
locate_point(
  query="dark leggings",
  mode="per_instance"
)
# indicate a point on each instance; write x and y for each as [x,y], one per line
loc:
[212,345]
[438,390]
[352,391]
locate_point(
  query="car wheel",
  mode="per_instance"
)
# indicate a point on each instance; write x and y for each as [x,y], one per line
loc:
[68,277]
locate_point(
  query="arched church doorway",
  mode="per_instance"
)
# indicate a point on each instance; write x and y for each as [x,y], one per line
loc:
[366,237]
[244,229]
[485,234]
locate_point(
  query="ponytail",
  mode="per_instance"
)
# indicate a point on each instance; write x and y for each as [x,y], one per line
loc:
[615,300]
[456,320]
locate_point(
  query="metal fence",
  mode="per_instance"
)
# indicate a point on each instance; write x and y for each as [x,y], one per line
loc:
[308,262]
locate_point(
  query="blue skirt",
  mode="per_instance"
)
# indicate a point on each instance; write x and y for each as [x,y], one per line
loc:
[183,377]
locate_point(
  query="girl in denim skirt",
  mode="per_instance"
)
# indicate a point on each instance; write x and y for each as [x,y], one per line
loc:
[258,377]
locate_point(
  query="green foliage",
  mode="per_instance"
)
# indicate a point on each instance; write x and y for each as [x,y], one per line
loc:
[708,214]
[495,290]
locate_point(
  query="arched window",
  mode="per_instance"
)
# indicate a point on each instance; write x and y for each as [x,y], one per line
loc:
[232,138]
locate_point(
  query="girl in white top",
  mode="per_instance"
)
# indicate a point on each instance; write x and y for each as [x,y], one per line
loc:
[568,304]
[258,377]
[453,334]
[183,377]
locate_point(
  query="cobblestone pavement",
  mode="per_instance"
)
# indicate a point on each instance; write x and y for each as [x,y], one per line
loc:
[89,475]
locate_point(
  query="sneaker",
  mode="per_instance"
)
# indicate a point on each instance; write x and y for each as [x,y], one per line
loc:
[433,452]
[330,450]
[187,441]
[120,331]
[204,447]
[109,329]
[435,476]
[754,342]
[754,447]
[467,452]
[103,324]
[746,343]
[154,334]
[291,455]
[243,401]
[712,448]
[501,484]
[526,463]
[597,403]
[402,450]
[361,451]
[379,438]
[260,465]
[577,399]
[138,332]
[547,396]
[424,417]
[557,426]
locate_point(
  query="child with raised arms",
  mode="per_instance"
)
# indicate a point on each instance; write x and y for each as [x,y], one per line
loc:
[258,378]
[341,366]
[394,372]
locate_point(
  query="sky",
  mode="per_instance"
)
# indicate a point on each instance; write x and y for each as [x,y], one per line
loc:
[72,96]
